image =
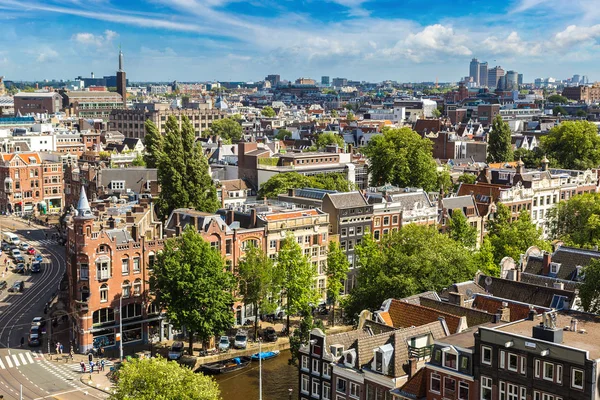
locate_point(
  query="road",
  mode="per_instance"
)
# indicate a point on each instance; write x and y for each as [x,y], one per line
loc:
[40,377]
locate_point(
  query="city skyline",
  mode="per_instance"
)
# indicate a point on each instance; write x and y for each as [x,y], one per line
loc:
[228,40]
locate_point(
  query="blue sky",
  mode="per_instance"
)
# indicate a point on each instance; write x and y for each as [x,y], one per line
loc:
[200,40]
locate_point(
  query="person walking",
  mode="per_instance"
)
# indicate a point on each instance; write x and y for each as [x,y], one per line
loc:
[91,367]
[82,364]
[61,348]
[102,364]
[22,340]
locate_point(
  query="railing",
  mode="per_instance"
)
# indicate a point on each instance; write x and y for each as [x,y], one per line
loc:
[419,352]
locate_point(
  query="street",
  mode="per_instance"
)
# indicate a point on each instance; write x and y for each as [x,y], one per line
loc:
[40,377]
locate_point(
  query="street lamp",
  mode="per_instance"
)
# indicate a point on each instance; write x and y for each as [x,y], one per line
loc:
[290,390]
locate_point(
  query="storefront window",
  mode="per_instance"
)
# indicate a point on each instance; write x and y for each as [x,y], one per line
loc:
[132,333]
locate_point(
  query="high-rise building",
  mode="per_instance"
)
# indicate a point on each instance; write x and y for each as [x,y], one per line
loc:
[511,81]
[520,79]
[274,79]
[494,76]
[122,80]
[483,74]
[576,79]
[474,70]
[325,80]
[339,82]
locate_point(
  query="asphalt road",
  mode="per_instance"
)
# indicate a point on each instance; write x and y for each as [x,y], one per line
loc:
[30,369]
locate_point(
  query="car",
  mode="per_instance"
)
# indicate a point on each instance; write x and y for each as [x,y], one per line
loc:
[176,351]
[24,246]
[3,285]
[31,251]
[38,321]
[241,340]
[36,267]
[19,268]
[38,257]
[6,247]
[16,253]
[224,343]
[269,334]
[17,287]
[34,330]
[19,259]
[34,340]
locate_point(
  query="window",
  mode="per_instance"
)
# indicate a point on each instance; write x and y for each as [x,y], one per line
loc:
[463,390]
[502,391]
[344,232]
[136,264]
[501,359]
[379,361]
[559,374]
[449,387]
[537,368]
[464,363]
[125,266]
[326,391]
[315,366]
[548,371]
[304,387]
[513,391]
[151,260]
[351,231]
[343,245]
[376,235]
[377,221]
[315,388]
[103,269]
[354,390]
[450,360]
[486,387]
[340,385]
[84,271]
[104,293]
[273,244]
[486,355]
[305,363]
[126,289]
[137,287]
[435,383]
[513,362]
[307,239]
[386,220]
[326,370]
[359,230]
[577,378]
[523,393]
[395,220]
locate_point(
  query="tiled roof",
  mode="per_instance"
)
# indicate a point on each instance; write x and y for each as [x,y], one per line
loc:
[416,386]
[347,200]
[568,258]
[458,202]
[23,156]
[405,314]
[234,184]
[541,280]
[474,317]
[467,289]
[490,304]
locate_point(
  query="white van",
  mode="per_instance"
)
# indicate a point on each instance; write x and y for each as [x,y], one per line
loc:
[10,238]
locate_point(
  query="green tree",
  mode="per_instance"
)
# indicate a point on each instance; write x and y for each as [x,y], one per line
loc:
[227,129]
[436,113]
[573,144]
[531,158]
[581,113]
[513,238]
[301,335]
[557,99]
[159,379]
[403,158]
[282,134]
[483,259]
[460,230]
[337,271]
[467,178]
[334,114]
[280,183]
[350,116]
[190,282]
[328,139]
[559,110]
[444,182]
[297,277]
[576,221]
[258,282]
[268,112]
[412,260]
[589,290]
[499,141]
[138,161]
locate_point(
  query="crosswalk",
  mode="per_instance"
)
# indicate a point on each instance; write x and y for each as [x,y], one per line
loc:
[18,359]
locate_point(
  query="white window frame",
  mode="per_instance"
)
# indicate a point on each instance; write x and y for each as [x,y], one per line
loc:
[512,391]
[305,384]
[485,349]
[463,385]
[305,363]
[354,390]
[326,370]
[501,359]
[315,367]
[337,381]
[326,391]
[516,368]
[439,379]
[573,372]
[559,372]
[537,368]
[444,353]
[486,383]
[523,365]
[523,393]
[502,390]
[316,385]
[551,378]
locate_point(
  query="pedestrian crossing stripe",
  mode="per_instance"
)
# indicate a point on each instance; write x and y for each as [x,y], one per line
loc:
[16,360]
[8,362]
[29,357]
[2,364]
[22,359]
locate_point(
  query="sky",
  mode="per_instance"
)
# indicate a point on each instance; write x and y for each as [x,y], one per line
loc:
[233,40]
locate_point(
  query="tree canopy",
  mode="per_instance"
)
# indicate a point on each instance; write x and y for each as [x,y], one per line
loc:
[577,221]
[531,158]
[282,134]
[280,183]
[268,112]
[460,230]
[227,129]
[499,141]
[467,178]
[573,144]
[337,271]
[559,110]
[589,290]
[412,260]
[190,282]
[557,99]
[329,138]
[403,158]
[153,141]
[160,379]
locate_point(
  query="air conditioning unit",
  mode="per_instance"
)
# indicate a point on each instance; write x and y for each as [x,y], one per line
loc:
[336,350]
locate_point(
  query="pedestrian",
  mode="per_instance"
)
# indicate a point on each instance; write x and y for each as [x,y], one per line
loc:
[91,367]
[82,364]
[22,340]
[102,364]
[61,348]
[57,348]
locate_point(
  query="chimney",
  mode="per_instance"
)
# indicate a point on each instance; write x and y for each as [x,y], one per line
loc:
[253,218]
[504,312]
[413,367]
[456,298]
[230,217]
[292,192]
[135,232]
[559,285]
[574,323]
[546,263]
[532,314]
[111,223]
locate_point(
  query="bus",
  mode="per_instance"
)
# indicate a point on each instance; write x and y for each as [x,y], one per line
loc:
[10,238]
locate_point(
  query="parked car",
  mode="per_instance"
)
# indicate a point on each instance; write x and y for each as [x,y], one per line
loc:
[38,257]
[176,351]
[224,343]
[3,285]
[34,330]
[36,267]
[34,340]
[31,251]
[6,247]
[24,246]
[16,253]
[19,259]
[269,334]
[38,321]
[241,340]
[20,268]
[18,286]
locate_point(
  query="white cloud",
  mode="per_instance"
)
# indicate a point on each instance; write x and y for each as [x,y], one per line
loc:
[47,54]
[577,35]
[89,39]
[510,46]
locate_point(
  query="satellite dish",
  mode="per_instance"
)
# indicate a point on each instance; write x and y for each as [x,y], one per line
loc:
[488,280]
[470,293]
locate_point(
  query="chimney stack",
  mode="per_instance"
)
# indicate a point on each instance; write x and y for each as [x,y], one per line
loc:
[547,259]
[504,312]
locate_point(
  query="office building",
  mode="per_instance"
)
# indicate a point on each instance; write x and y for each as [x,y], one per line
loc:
[339,82]
[483,74]
[474,70]
[494,75]
[511,81]
[273,79]
[37,103]
[325,81]
[520,79]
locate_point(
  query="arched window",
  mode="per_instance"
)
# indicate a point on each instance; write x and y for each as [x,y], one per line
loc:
[104,293]
[125,265]
[137,287]
[153,309]
[85,293]
[103,315]
[136,263]
[151,260]
[126,289]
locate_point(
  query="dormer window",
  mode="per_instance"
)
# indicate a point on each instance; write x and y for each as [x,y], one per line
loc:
[450,358]
[554,267]
[378,361]
[381,358]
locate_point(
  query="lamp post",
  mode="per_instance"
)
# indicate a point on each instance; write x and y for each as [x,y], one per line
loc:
[290,390]
[121,327]
[259,369]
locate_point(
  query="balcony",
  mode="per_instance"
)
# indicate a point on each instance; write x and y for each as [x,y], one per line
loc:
[419,352]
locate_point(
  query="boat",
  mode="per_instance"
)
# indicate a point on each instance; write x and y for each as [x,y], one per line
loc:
[265,355]
[225,366]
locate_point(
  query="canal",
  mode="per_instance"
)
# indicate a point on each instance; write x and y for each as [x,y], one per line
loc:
[278,378]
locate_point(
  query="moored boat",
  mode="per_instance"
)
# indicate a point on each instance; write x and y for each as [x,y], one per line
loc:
[225,366]
[265,355]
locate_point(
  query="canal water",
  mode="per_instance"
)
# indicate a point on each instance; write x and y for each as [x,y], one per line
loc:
[278,378]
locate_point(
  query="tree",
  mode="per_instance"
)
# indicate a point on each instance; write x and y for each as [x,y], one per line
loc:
[589,290]
[282,134]
[461,231]
[581,113]
[268,112]
[350,116]
[557,99]
[258,282]
[297,277]
[227,129]
[337,271]
[138,161]
[403,158]
[412,260]
[280,183]
[483,259]
[576,221]
[328,139]
[301,335]
[499,141]
[192,285]
[159,379]
[334,114]
[436,113]
[573,144]
[153,142]
[444,182]
[531,158]
[511,239]
[467,178]
[559,110]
